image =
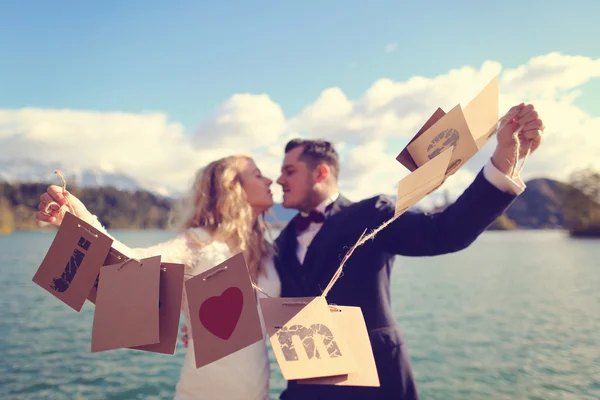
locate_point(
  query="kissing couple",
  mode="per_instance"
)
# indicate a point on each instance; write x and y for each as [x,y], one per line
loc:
[225,209]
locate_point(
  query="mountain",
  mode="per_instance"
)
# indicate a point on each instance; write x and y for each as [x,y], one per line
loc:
[540,206]
[116,209]
[28,171]
[25,171]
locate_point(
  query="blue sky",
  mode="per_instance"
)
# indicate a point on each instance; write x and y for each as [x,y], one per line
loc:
[140,87]
[186,57]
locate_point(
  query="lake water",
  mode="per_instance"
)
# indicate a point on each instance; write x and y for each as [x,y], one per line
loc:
[515,316]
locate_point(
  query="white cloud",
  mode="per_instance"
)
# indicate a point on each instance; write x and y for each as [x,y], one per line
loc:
[390,47]
[391,112]
[550,76]
[144,146]
[244,121]
[390,109]
[367,169]
[369,131]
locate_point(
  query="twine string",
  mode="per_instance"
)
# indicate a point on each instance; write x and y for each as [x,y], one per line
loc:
[54,204]
[127,262]
[364,238]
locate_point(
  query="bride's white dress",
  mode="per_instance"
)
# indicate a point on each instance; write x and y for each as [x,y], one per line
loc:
[241,375]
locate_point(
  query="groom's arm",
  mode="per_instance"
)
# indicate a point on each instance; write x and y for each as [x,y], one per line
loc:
[455,228]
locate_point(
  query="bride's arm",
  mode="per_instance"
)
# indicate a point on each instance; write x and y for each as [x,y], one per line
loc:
[183,249]
[172,250]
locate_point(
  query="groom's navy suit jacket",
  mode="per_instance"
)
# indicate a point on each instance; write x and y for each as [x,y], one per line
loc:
[366,277]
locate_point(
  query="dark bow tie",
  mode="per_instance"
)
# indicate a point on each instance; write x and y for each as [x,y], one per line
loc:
[302,222]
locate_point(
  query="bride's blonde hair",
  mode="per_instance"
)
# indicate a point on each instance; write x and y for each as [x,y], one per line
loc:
[218,204]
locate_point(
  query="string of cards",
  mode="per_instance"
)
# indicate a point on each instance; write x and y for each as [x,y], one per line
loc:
[138,302]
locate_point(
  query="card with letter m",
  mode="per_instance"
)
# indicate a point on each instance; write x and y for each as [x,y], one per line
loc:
[306,341]
[69,269]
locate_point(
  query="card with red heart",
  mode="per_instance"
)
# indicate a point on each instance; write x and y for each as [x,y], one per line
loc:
[223,311]
[72,263]
[127,309]
[113,257]
[169,304]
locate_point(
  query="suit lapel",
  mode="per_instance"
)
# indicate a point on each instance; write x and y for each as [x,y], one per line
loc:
[311,266]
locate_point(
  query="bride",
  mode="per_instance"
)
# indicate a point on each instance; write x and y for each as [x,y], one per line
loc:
[225,212]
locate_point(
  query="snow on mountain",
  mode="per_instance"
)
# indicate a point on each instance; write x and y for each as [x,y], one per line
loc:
[28,171]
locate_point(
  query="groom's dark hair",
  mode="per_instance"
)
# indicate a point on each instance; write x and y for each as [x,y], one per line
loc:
[315,152]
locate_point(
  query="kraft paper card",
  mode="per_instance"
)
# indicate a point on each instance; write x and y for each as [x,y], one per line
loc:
[72,263]
[421,182]
[464,131]
[169,309]
[482,113]
[127,313]
[113,257]
[404,157]
[223,311]
[305,340]
[451,131]
[351,321]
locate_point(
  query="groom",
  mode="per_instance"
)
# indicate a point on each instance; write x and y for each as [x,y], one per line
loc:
[311,246]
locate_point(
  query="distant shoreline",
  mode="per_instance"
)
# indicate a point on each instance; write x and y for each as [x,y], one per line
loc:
[582,235]
[539,207]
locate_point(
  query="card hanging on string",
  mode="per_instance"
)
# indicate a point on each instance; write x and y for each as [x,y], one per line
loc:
[404,157]
[127,309]
[350,321]
[71,265]
[450,131]
[421,182]
[482,115]
[446,140]
[169,304]
[113,257]
[307,343]
[223,311]
[465,131]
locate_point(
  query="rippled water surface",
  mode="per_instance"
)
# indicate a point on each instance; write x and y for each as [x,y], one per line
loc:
[515,316]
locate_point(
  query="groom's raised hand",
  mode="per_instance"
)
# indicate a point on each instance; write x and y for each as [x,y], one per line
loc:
[530,136]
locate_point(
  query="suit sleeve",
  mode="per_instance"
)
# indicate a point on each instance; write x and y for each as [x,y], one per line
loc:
[451,230]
